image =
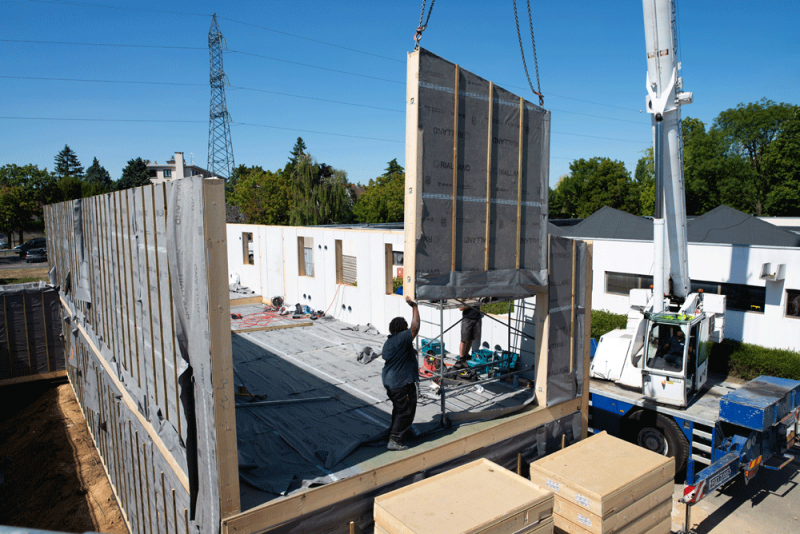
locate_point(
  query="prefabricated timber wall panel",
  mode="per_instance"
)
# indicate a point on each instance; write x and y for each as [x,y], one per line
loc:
[146,322]
[476,188]
[30,326]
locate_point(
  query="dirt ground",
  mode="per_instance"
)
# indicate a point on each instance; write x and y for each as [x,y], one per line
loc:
[51,476]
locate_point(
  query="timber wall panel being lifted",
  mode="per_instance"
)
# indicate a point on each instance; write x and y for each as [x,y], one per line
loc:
[145,316]
[477,188]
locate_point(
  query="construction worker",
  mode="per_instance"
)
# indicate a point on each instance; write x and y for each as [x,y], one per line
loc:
[470,334]
[400,376]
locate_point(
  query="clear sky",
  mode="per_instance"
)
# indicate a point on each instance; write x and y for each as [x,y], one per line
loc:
[334,73]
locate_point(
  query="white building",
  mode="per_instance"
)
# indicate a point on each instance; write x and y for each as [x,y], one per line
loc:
[174,168]
[348,271]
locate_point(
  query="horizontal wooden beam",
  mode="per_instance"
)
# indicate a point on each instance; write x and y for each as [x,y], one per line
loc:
[32,378]
[279,511]
[246,301]
[131,405]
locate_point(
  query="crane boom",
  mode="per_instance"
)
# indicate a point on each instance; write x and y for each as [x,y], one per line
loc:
[664,100]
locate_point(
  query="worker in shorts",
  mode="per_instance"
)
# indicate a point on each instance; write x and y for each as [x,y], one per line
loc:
[400,376]
[470,334]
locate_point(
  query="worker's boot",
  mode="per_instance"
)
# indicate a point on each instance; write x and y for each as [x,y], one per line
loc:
[396,446]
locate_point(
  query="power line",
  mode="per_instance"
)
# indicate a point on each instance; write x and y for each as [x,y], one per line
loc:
[120,8]
[104,44]
[316,67]
[168,121]
[254,89]
[597,137]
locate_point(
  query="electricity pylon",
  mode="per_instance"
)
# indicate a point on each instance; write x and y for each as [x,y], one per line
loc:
[220,149]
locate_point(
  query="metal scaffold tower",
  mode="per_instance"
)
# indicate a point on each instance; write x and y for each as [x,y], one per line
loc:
[220,149]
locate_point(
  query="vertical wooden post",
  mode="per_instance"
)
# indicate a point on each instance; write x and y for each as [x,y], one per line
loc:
[488,177]
[455,174]
[219,320]
[519,177]
[572,310]
[587,338]
[388,262]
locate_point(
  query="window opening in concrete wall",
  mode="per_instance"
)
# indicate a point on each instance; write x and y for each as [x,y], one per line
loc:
[622,283]
[793,303]
[247,248]
[738,297]
[305,256]
[346,264]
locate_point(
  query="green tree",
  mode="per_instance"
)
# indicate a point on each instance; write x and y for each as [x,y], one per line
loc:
[782,164]
[67,164]
[263,196]
[16,209]
[96,174]
[645,177]
[748,131]
[71,187]
[320,194]
[592,184]
[298,151]
[135,174]
[382,200]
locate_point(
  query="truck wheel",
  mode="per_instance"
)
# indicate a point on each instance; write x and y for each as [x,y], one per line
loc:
[659,434]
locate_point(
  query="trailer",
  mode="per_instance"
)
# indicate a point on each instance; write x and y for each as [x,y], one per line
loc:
[726,429]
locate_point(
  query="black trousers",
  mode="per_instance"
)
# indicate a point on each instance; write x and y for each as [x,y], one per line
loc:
[404,406]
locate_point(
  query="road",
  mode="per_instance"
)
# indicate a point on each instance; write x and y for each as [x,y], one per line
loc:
[10,261]
[769,504]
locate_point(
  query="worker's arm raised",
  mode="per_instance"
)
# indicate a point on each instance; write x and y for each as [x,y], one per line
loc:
[414,319]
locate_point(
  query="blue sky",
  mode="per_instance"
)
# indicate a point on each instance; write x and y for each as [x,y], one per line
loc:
[591,63]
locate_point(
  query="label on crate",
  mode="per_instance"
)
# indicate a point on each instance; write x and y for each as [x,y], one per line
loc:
[553,485]
[584,520]
[583,501]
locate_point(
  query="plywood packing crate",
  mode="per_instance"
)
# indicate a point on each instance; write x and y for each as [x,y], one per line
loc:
[656,521]
[545,526]
[479,497]
[594,524]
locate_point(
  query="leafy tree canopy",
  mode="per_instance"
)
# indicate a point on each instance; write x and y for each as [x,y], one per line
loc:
[382,200]
[263,196]
[592,184]
[645,177]
[320,194]
[16,208]
[782,164]
[97,174]
[134,174]
[67,164]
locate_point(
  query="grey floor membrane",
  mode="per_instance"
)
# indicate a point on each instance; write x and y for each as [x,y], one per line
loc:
[308,405]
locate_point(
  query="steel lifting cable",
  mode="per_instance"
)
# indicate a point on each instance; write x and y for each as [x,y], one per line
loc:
[421,28]
[522,51]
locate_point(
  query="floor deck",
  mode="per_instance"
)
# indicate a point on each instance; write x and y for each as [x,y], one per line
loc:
[309,412]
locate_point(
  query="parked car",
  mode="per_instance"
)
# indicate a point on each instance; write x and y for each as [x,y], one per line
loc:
[4,245]
[39,242]
[36,255]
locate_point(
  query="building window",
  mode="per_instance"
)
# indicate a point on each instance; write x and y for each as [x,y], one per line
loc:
[305,256]
[346,264]
[738,297]
[793,303]
[622,283]
[167,173]
[397,258]
[247,248]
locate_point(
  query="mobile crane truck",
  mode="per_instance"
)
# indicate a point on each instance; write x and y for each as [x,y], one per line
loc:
[649,383]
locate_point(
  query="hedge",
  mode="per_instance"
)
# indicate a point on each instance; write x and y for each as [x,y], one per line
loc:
[604,321]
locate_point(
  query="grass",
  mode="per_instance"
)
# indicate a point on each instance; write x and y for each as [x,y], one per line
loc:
[498,308]
[20,276]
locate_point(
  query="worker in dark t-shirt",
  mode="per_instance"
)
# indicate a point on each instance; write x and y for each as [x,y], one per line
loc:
[470,334]
[400,376]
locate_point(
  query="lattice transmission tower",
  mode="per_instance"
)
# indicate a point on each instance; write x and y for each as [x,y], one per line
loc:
[220,149]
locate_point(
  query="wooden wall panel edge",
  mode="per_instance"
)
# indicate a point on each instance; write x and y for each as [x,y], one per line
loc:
[587,337]
[413,185]
[219,328]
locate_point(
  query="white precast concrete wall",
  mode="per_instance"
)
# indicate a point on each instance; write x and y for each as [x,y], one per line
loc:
[275,272]
[736,264]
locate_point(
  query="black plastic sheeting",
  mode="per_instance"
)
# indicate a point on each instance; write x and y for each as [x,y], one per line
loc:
[30,330]
[434,239]
[565,378]
[532,444]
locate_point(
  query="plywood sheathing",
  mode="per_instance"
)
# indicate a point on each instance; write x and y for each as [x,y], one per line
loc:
[603,474]
[477,497]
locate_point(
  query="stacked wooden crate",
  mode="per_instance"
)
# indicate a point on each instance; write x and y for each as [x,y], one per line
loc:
[479,497]
[603,485]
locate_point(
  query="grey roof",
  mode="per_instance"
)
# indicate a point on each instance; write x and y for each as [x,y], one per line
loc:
[610,223]
[723,225]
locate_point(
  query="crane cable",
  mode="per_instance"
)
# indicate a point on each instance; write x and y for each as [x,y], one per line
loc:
[422,27]
[522,51]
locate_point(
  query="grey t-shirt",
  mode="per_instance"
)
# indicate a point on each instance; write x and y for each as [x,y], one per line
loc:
[401,361]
